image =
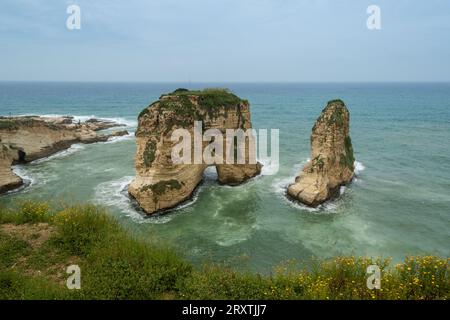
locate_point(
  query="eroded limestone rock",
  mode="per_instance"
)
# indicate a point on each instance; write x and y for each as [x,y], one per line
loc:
[8,179]
[159,183]
[332,164]
[29,138]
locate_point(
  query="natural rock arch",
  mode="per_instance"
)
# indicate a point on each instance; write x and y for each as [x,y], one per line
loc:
[159,183]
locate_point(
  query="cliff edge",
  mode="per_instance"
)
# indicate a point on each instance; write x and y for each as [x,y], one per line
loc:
[27,138]
[8,179]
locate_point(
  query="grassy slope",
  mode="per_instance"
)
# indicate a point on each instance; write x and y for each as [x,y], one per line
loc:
[36,246]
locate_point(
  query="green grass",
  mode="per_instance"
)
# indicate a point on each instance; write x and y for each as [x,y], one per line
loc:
[115,265]
[82,228]
[26,121]
[17,286]
[11,248]
[26,212]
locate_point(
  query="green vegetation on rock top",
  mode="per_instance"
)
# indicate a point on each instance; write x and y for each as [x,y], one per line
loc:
[338,108]
[25,121]
[189,105]
[210,98]
[336,101]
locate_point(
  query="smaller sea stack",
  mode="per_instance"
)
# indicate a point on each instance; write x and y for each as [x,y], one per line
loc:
[332,161]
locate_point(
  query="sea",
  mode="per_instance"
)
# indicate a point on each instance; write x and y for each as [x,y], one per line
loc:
[398,204]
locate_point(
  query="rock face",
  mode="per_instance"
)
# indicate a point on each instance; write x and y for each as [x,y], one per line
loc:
[24,139]
[8,179]
[332,164]
[159,183]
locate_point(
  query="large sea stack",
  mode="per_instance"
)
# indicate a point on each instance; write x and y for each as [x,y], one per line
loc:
[160,183]
[332,164]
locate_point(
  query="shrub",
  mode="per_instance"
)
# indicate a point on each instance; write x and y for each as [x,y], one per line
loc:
[424,278]
[81,227]
[129,269]
[34,212]
[218,282]
[26,212]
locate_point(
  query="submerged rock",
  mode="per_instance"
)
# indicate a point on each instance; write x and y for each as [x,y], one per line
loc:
[28,138]
[161,184]
[332,164]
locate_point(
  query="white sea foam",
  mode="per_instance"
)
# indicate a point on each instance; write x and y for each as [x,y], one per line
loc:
[119,120]
[228,242]
[19,170]
[127,137]
[32,177]
[113,193]
[359,167]
[61,154]
[280,187]
[28,180]
[269,168]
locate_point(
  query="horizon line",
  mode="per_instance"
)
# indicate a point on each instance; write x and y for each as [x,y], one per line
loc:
[228,82]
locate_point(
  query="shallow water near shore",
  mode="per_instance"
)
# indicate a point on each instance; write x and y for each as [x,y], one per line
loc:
[398,205]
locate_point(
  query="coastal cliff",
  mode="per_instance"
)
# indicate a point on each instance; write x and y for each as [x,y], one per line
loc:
[332,164]
[28,138]
[8,179]
[159,183]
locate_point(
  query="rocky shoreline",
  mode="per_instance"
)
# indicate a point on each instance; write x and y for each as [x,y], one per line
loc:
[27,138]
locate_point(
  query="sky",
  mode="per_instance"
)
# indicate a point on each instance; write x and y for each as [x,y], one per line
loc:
[225,41]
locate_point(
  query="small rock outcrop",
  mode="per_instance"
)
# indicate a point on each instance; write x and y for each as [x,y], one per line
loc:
[332,164]
[28,138]
[159,183]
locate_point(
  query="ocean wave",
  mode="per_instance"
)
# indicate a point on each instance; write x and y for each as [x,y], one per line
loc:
[82,118]
[129,136]
[269,168]
[111,193]
[21,172]
[114,194]
[359,167]
[280,187]
[32,177]
[61,154]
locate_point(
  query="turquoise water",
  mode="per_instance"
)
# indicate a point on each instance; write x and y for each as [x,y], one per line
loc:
[398,205]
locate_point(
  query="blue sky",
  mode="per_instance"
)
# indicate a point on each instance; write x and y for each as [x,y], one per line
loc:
[225,41]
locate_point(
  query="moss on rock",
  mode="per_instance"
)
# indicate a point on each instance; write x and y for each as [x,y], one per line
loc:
[149,153]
